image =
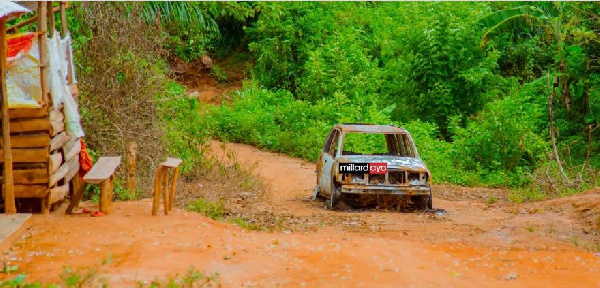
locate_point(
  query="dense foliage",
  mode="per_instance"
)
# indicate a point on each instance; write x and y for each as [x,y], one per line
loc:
[470,81]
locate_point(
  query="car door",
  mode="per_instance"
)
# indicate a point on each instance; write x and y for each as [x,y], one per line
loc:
[326,162]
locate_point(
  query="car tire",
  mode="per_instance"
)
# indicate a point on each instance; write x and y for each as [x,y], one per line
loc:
[430,200]
[334,200]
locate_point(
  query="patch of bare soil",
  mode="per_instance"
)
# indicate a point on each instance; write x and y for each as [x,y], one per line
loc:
[472,244]
[583,208]
[480,194]
[204,82]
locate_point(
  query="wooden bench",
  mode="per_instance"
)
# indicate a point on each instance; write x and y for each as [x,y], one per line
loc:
[162,178]
[102,173]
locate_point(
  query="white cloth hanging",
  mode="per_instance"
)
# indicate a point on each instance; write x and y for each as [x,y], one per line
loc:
[67,46]
[59,88]
[23,85]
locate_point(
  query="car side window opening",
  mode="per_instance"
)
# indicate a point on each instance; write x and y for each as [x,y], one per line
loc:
[331,143]
[327,145]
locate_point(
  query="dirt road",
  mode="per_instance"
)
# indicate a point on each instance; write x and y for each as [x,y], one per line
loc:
[544,244]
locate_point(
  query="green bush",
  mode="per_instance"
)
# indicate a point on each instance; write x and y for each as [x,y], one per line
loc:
[500,143]
[274,120]
[497,148]
[213,210]
[185,134]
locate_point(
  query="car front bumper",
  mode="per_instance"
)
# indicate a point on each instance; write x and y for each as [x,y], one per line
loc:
[385,189]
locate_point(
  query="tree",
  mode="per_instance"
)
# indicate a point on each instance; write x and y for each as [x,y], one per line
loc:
[553,20]
[181,11]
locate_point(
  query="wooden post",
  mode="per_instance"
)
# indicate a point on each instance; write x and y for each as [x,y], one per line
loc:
[173,187]
[9,193]
[111,190]
[42,28]
[63,19]
[45,204]
[105,196]
[50,16]
[166,191]
[131,166]
[156,197]
[77,187]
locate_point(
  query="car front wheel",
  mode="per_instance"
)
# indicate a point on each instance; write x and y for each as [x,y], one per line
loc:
[335,196]
[430,200]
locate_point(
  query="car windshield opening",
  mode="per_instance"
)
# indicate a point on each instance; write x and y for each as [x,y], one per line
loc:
[378,144]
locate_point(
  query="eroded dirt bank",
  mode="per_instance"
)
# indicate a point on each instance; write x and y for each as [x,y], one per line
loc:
[545,244]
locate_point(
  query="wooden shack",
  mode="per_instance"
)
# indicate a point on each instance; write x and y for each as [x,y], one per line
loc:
[45,157]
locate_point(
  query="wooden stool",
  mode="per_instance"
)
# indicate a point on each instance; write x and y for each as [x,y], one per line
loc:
[102,173]
[162,177]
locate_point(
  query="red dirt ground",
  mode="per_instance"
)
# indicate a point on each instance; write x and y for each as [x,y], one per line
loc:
[542,244]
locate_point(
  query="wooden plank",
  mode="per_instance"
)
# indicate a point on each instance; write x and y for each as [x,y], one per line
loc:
[75,149]
[22,113]
[59,193]
[54,161]
[31,176]
[102,170]
[57,115]
[30,125]
[172,162]
[56,127]
[60,173]
[29,141]
[73,168]
[30,165]
[9,199]
[28,155]
[29,191]
[69,145]
[59,141]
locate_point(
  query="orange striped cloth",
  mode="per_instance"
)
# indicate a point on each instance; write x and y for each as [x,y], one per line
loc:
[85,161]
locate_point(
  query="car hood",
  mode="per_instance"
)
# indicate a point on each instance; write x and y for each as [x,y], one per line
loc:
[393,162]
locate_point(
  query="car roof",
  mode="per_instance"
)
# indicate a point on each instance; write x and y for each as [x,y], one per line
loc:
[369,128]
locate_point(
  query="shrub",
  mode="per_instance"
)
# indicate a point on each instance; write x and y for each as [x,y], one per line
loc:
[501,143]
[121,77]
[214,210]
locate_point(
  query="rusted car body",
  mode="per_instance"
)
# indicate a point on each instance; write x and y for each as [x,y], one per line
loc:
[406,181]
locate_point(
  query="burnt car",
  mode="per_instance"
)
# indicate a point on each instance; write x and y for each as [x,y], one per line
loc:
[365,164]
